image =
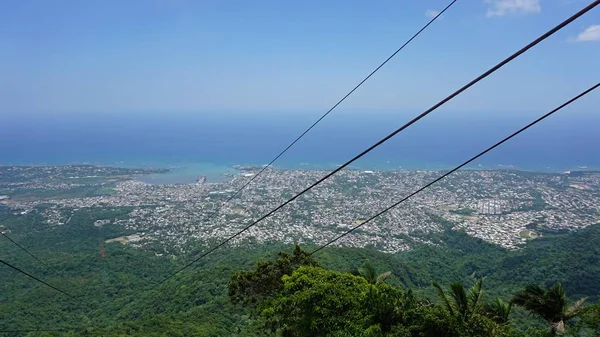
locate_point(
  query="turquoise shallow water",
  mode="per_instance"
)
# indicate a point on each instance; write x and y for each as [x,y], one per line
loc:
[188,173]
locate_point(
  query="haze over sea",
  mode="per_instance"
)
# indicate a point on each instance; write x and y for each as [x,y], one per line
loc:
[210,143]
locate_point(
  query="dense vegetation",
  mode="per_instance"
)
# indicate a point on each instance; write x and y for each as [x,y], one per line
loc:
[114,296]
[293,296]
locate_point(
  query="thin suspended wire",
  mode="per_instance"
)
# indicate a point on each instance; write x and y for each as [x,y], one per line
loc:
[340,101]
[386,138]
[37,279]
[29,253]
[460,166]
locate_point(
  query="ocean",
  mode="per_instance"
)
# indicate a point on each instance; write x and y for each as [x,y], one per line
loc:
[211,143]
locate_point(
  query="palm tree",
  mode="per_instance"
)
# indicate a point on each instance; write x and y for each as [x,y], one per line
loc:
[550,304]
[461,303]
[499,310]
[367,271]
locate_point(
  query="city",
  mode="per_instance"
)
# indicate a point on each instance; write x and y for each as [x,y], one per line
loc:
[506,208]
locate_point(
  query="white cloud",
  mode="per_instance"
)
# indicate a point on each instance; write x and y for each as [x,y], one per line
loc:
[430,13]
[506,7]
[591,33]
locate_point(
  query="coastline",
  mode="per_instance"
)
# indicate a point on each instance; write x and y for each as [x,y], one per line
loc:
[188,172]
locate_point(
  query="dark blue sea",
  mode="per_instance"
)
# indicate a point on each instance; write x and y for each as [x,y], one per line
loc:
[210,143]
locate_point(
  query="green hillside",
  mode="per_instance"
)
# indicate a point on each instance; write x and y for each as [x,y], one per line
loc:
[114,297]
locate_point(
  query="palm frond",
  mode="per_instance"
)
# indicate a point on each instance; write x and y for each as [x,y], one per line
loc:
[531,294]
[555,303]
[499,311]
[443,297]
[550,304]
[461,302]
[575,309]
[367,271]
[382,277]
[475,297]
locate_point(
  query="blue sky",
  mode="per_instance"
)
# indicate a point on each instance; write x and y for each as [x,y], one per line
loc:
[163,56]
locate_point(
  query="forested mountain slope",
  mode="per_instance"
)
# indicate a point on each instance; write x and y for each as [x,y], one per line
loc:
[113,293]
